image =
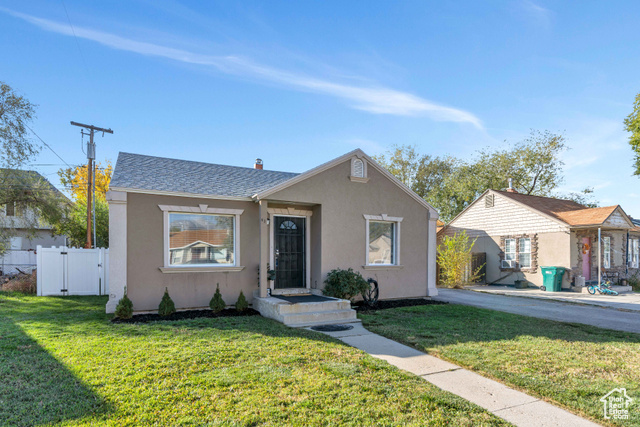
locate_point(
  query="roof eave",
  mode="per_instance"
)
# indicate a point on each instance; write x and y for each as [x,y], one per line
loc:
[179,194]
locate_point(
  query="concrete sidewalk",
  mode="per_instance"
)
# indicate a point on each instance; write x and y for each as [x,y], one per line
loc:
[626,301]
[512,405]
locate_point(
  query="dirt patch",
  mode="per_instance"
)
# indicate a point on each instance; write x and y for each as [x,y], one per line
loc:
[187,314]
[383,305]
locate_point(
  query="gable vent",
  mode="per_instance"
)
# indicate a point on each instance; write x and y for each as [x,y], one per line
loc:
[488,201]
[358,168]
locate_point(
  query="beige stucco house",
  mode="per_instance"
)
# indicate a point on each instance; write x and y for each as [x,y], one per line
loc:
[188,226]
[521,233]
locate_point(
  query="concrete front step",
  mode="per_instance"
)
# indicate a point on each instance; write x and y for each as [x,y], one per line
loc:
[305,314]
[319,318]
[311,307]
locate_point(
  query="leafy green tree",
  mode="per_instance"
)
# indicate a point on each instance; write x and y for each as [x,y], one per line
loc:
[27,199]
[74,223]
[450,184]
[632,125]
[454,260]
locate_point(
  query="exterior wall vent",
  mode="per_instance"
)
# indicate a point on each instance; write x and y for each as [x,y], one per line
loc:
[488,201]
[358,168]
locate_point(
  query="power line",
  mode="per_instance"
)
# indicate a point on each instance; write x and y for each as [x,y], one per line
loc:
[47,145]
[75,37]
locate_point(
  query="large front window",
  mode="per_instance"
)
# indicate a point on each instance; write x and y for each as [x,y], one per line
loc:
[201,239]
[382,243]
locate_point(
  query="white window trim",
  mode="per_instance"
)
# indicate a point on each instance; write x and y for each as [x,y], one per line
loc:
[634,249]
[384,218]
[515,249]
[364,178]
[206,268]
[520,252]
[606,252]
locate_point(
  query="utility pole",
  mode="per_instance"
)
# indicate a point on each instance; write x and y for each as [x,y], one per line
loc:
[91,156]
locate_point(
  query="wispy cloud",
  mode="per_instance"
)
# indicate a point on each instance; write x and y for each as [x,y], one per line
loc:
[537,13]
[376,100]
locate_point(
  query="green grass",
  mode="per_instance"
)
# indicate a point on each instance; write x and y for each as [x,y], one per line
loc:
[62,362]
[570,365]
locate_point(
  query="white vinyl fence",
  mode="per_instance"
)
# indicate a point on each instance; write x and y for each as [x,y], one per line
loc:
[16,260]
[72,271]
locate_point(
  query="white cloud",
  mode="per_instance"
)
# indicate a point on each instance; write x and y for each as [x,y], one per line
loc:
[376,100]
[537,13]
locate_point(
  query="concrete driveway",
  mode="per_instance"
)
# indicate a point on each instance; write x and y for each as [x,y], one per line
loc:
[600,316]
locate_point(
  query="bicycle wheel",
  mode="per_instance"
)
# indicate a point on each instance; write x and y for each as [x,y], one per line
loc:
[592,290]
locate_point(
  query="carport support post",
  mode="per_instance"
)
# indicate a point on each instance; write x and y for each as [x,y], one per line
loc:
[599,256]
[264,248]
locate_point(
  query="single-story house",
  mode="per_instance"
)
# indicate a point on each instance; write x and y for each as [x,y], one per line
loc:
[188,226]
[520,233]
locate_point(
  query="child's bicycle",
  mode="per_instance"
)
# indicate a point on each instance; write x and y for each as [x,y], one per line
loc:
[603,288]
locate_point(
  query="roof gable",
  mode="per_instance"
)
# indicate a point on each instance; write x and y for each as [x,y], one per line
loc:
[328,165]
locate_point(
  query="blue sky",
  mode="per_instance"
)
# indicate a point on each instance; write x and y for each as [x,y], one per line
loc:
[299,83]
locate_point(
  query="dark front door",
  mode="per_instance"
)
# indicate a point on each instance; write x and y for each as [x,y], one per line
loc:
[289,248]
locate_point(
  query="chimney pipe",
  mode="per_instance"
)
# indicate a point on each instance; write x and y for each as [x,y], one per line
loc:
[258,164]
[511,189]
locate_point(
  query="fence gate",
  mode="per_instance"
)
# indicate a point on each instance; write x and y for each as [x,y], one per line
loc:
[72,271]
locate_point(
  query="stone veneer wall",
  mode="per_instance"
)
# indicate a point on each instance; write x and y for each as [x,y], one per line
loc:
[534,251]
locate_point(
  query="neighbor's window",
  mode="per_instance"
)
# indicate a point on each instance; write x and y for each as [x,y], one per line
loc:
[606,252]
[524,255]
[201,239]
[382,242]
[634,253]
[10,209]
[510,249]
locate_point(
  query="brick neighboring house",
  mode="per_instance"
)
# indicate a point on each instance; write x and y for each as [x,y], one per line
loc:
[521,233]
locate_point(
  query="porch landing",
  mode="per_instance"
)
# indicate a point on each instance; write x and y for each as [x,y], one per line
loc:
[301,312]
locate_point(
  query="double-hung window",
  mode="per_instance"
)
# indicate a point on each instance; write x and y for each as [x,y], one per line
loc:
[383,240]
[524,254]
[606,252]
[510,250]
[201,238]
[634,253]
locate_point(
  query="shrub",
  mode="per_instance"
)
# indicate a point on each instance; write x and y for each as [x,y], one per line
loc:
[124,309]
[23,283]
[167,307]
[217,303]
[454,259]
[242,304]
[344,284]
[634,282]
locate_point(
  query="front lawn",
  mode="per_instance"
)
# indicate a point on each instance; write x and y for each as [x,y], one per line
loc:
[570,365]
[62,362]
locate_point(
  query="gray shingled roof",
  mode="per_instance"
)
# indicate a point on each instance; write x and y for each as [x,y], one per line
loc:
[151,173]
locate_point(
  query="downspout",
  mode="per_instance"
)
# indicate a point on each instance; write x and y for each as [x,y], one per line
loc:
[626,258]
[428,254]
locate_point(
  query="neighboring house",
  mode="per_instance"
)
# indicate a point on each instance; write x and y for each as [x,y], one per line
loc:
[521,233]
[29,231]
[187,226]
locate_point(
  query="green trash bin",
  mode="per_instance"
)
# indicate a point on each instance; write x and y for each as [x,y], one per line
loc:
[552,278]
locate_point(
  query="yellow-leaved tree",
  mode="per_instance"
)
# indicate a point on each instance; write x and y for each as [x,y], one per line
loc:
[76,180]
[74,223]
